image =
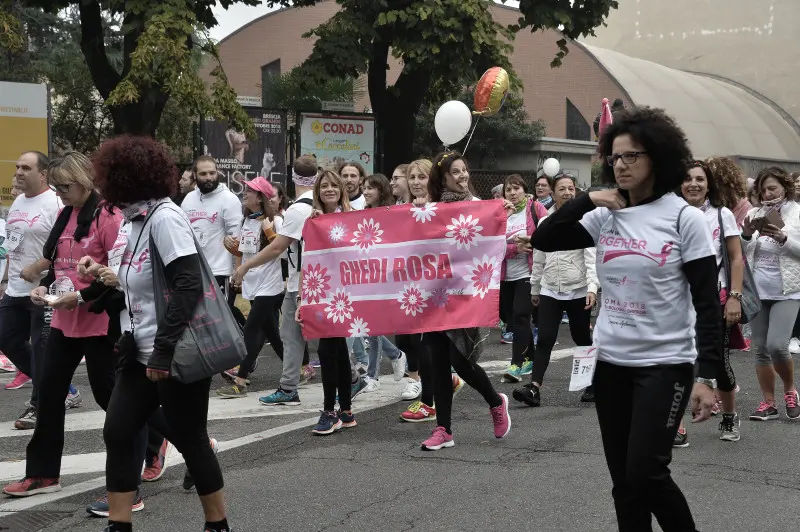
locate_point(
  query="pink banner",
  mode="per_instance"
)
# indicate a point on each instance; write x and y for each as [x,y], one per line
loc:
[403,269]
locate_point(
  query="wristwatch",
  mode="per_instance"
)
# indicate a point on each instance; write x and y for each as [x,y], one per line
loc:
[711,383]
[735,295]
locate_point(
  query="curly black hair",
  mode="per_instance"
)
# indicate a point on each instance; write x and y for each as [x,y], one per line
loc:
[130,169]
[662,139]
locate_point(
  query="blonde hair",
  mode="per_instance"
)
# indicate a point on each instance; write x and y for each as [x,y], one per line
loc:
[423,165]
[73,167]
[344,201]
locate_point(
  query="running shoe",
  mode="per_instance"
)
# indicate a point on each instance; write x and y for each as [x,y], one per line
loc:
[188,479]
[412,391]
[746,345]
[32,486]
[347,418]
[528,394]
[729,427]
[458,384]
[372,385]
[6,366]
[314,364]
[328,423]
[19,381]
[507,338]
[307,374]
[792,408]
[500,418]
[794,346]
[399,367]
[154,468]
[512,374]
[232,391]
[564,318]
[439,440]
[231,374]
[527,367]
[73,400]
[588,395]
[681,439]
[765,412]
[717,408]
[418,412]
[100,508]
[358,387]
[27,421]
[281,397]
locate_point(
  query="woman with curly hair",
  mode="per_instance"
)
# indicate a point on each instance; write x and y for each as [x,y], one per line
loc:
[138,176]
[654,261]
[731,183]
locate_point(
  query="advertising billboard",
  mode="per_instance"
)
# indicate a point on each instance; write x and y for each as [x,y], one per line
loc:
[336,138]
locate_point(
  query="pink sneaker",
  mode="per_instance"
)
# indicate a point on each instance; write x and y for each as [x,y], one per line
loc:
[19,381]
[6,365]
[500,418]
[438,440]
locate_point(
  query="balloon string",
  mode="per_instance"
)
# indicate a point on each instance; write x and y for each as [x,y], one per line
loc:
[470,135]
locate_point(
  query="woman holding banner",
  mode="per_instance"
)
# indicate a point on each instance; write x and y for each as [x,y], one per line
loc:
[459,348]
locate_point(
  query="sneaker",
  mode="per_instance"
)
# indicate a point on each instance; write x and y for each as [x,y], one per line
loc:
[399,367]
[347,419]
[32,486]
[764,412]
[357,387]
[155,469]
[188,479]
[19,381]
[512,374]
[458,384]
[792,408]
[412,391]
[418,412]
[308,372]
[314,364]
[27,421]
[526,368]
[100,508]
[372,385]
[564,318]
[232,391]
[6,366]
[794,346]
[231,374]
[328,423]
[717,408]
[681,439]
[439,439]
[281,397]
[500,418]
[729,427]
[73,400]
[746,345]
[507,338]
[528,394]
[588,395]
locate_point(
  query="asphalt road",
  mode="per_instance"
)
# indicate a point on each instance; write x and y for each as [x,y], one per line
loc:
[549,474]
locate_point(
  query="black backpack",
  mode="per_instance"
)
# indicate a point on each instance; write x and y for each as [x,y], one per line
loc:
[299,265]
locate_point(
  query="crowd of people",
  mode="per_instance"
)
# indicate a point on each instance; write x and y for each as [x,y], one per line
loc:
[671,251]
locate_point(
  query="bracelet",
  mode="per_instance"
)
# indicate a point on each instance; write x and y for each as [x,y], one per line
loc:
[735,295]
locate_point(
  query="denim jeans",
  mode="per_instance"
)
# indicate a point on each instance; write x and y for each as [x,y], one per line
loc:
[356,348]
[377,347]
[23,334]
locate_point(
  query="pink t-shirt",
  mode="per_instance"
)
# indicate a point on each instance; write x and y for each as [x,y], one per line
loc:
[80,323]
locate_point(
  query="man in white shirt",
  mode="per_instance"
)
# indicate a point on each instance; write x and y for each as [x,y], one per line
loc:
[214,212]
[29,222]
[353,175]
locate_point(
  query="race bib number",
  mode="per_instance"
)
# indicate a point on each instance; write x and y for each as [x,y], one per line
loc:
[14,238]
[115,258]
[248,243]
[62,286]
[583,363]
[201,237]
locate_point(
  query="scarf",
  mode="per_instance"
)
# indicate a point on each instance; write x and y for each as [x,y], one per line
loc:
[740,211]
[87,214]
[304,181]
[448,196]
[774,204]
[519,207]
[139,208]
[705,206]
[546,202]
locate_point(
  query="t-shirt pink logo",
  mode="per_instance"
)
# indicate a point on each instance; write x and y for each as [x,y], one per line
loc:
[622,247]
[716,233]
[136,264]
[196,216]
[17,216]
[88,240]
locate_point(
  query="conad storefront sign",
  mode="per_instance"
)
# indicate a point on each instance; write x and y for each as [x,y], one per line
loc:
[333,139]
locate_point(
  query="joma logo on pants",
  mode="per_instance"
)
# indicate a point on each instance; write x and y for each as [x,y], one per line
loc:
[676,404]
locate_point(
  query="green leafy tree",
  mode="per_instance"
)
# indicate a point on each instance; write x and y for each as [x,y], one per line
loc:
[508,131]
[293,92]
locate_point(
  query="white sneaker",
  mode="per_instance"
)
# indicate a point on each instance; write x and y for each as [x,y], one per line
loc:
[412,391]
[794,346]
[372,385]
[399,367]
[6,366]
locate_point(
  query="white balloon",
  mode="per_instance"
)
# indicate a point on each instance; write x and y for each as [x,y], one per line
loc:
[452,122]
[551,167]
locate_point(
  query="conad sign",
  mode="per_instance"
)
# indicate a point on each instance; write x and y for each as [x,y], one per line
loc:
[333,139]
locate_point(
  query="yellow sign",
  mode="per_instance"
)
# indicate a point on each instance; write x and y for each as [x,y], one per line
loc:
[23,127]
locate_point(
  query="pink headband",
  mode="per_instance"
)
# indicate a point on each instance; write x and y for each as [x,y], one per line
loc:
[304,181]
[259,184]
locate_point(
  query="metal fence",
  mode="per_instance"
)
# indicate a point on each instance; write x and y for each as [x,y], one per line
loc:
[485,180]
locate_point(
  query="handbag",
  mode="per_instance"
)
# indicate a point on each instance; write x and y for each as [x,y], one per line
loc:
[751,303]
[212,341]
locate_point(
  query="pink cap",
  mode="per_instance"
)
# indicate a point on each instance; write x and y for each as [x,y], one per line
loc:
[259,184]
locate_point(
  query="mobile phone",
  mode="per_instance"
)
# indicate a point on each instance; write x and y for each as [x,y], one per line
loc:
[774,217]
[758,223]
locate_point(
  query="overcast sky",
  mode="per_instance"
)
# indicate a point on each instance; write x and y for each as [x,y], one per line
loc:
[238,15]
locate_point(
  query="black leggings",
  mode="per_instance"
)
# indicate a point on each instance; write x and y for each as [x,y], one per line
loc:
[334,362]
[224,283]
[639,410]
[182,418]
[419,359]
[517,294]
[61,357]
[261,325]
[550,312]
[445,355]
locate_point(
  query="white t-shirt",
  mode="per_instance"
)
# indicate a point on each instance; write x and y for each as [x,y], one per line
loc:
[578,293]
[729,227]
[646,313]
[517,267]
[293,221]
[28,225]
[359,203]
[767,271]
[3,245]
[214,216]
[172,235]
[267,279]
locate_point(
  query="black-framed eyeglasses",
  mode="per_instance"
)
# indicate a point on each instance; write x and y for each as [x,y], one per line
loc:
[629,157]
[60,188]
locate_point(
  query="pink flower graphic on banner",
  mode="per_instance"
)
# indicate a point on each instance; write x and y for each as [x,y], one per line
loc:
[367,235]
[359,327]
[464,231]
[411,300]
[439,297]
[483,272]
[340,307]
[425,213]
[337,233]
[315,283]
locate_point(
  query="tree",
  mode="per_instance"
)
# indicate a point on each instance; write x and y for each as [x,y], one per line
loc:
[506,132]
[291,91]
[442,45]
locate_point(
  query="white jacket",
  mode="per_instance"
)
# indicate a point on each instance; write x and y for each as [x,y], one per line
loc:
[789,263]
[564,271]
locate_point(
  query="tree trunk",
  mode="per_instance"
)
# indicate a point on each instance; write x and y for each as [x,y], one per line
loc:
[396,127]
[142,117]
